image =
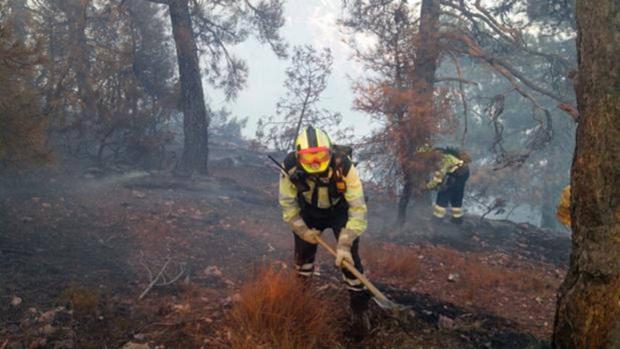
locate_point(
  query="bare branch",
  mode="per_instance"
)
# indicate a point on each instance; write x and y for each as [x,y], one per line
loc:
[154,281]
[164,2]
[460,80]
[459,72]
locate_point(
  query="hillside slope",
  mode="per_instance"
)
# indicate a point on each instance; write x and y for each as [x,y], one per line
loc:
[77,251]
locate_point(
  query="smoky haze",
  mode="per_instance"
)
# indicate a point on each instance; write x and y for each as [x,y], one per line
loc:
[139,208]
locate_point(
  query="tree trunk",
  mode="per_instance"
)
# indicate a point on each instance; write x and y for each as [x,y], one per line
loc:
[422,81]
[195,118]
[403,201]
[80,61]
[588,313]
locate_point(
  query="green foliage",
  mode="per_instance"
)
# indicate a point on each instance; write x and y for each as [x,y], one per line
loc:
[108,83]
[225,127]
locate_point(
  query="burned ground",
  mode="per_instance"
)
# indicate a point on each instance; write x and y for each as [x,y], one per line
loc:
[77,252]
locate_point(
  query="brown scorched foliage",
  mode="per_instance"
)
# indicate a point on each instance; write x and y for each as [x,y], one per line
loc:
[22,124]
[277,311]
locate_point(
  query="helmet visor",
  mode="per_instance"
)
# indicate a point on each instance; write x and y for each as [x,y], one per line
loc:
[314,158]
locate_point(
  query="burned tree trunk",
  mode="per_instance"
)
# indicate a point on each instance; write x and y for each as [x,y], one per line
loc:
[77,11]
[588,313]
[195,118]
[405,196]
[422,81]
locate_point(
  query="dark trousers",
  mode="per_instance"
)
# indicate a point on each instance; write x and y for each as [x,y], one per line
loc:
[455,189]
[305,252]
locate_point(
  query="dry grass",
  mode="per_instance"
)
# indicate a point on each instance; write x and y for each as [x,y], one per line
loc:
[502,284]
[83,301]
[483,272]
[276,311]
[392,262]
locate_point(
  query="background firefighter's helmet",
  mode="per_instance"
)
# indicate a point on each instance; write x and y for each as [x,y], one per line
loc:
[424,148]
[313,150]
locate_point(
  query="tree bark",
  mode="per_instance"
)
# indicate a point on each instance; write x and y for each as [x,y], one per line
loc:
[588,313]
[422,81]
[195,118]
[80,61]
[403,202]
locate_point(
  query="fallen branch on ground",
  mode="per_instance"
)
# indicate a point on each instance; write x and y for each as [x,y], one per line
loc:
[161,279]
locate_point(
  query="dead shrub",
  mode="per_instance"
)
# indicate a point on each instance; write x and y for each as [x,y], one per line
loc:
[277,311]
[83,301]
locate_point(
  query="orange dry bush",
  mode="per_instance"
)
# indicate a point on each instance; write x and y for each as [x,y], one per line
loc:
[277,311]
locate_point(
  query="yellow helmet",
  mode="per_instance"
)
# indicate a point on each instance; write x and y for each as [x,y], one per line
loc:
[313,150]
[424,148]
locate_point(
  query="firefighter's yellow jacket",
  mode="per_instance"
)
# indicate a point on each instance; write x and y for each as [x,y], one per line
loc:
[353,194]
[563,209]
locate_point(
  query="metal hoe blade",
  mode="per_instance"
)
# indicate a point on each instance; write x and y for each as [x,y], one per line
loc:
[378,296]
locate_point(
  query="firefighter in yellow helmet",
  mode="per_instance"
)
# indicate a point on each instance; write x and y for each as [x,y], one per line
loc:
[321,189]
[449,181]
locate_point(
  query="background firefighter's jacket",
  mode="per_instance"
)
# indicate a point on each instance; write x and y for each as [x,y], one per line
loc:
[450,163]
[341,186]
[563,209]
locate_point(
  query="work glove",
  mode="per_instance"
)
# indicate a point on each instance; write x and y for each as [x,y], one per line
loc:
[301,229]
[343,250]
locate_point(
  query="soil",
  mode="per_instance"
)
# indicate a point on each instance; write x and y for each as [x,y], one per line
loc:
[77,251]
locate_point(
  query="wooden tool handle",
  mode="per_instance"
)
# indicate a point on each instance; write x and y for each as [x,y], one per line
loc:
[375,291]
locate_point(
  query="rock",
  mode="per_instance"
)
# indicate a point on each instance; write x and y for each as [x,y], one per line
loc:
[48,316]
[48,330]
[453,277]
[16,301]
[213,270]
[226,301]
[538,300]
[236,298]
[138,194]
[133,345]
[139,336]
[445,322]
